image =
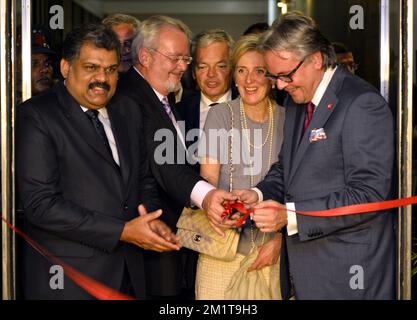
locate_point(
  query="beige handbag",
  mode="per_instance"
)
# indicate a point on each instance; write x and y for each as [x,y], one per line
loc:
[196,233]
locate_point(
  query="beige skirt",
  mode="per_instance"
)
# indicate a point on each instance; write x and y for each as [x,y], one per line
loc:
[214,275]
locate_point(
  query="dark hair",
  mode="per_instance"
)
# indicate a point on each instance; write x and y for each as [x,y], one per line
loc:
[256,28]
[98,34]
[340,48]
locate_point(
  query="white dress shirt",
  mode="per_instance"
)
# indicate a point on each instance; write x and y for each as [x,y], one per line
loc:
[292,227]
[205,103]
[103,116]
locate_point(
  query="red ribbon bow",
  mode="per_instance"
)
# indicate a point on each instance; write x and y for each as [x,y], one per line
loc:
[240,207]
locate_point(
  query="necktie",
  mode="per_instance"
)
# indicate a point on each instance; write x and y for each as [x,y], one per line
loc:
[167,108]
[309,115]
[93,116]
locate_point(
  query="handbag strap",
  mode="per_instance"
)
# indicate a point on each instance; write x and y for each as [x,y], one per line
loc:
[232,125]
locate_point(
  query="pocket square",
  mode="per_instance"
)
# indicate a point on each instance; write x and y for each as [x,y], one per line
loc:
[317,134]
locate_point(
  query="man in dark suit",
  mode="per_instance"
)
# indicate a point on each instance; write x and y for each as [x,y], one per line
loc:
[161,55]
[82,170]
[338,150]
[212,71]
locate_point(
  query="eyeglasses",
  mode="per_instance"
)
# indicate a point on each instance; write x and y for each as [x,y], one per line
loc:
[284,77]
[175,59]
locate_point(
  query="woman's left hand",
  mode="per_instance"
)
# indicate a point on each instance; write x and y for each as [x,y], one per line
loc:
[268,253]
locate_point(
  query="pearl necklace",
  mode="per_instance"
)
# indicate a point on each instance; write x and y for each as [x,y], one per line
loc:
[269,136]
[244,124]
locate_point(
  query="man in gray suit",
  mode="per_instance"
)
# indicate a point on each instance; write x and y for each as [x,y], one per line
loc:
[338,150]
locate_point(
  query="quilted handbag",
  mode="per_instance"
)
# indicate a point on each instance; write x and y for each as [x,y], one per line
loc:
[197,234]
[195,231]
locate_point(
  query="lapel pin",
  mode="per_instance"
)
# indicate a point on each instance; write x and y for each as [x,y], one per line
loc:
[330,106]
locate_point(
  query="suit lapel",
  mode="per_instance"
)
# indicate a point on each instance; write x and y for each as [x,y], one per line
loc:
[81,123]
[153,99]
[319,119]
[196,112]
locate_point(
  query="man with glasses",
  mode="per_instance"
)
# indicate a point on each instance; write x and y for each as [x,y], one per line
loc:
[338,150]
[82,171]
[160,58]
[126,28]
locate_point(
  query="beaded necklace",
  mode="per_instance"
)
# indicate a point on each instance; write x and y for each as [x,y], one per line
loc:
[270,137]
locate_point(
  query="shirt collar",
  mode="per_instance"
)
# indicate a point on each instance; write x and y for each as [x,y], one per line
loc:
[224,98]
[102,111]
[324,83]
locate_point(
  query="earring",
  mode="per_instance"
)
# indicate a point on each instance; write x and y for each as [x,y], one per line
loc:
[236,85]
[273,86]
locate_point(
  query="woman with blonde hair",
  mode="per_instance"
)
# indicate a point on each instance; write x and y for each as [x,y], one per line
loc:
[255,122]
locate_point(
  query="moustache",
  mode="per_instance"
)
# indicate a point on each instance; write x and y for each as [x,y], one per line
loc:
[102,85]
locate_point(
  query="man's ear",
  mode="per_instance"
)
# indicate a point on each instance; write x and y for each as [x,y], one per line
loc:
[144,56]
[317,60]
[65,67]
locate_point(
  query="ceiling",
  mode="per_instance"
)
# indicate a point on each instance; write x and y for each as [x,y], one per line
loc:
[175,7]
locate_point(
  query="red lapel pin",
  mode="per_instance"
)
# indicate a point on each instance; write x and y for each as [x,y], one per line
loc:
[330,106]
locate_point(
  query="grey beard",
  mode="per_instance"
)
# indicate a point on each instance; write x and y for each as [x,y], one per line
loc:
[172,87]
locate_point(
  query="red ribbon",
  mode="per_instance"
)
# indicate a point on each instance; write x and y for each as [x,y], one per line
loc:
[102,292]
[93,287]
[336,212]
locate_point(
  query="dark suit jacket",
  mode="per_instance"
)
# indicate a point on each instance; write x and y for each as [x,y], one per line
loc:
[175,179]
[353,165]
[76,199]
[189,109]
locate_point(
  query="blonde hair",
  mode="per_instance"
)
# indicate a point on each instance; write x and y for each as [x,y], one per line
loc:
[245,44]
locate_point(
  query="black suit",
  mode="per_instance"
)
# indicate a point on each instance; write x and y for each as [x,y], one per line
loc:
[176,181]
[75,197]
[189,109]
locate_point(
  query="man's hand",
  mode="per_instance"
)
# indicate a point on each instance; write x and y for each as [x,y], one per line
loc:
[270,216]
[149,233]
[213,205]
[161,229]
[247,196]
[268,253]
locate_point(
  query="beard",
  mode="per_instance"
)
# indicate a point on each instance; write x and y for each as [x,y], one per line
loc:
[172,87]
